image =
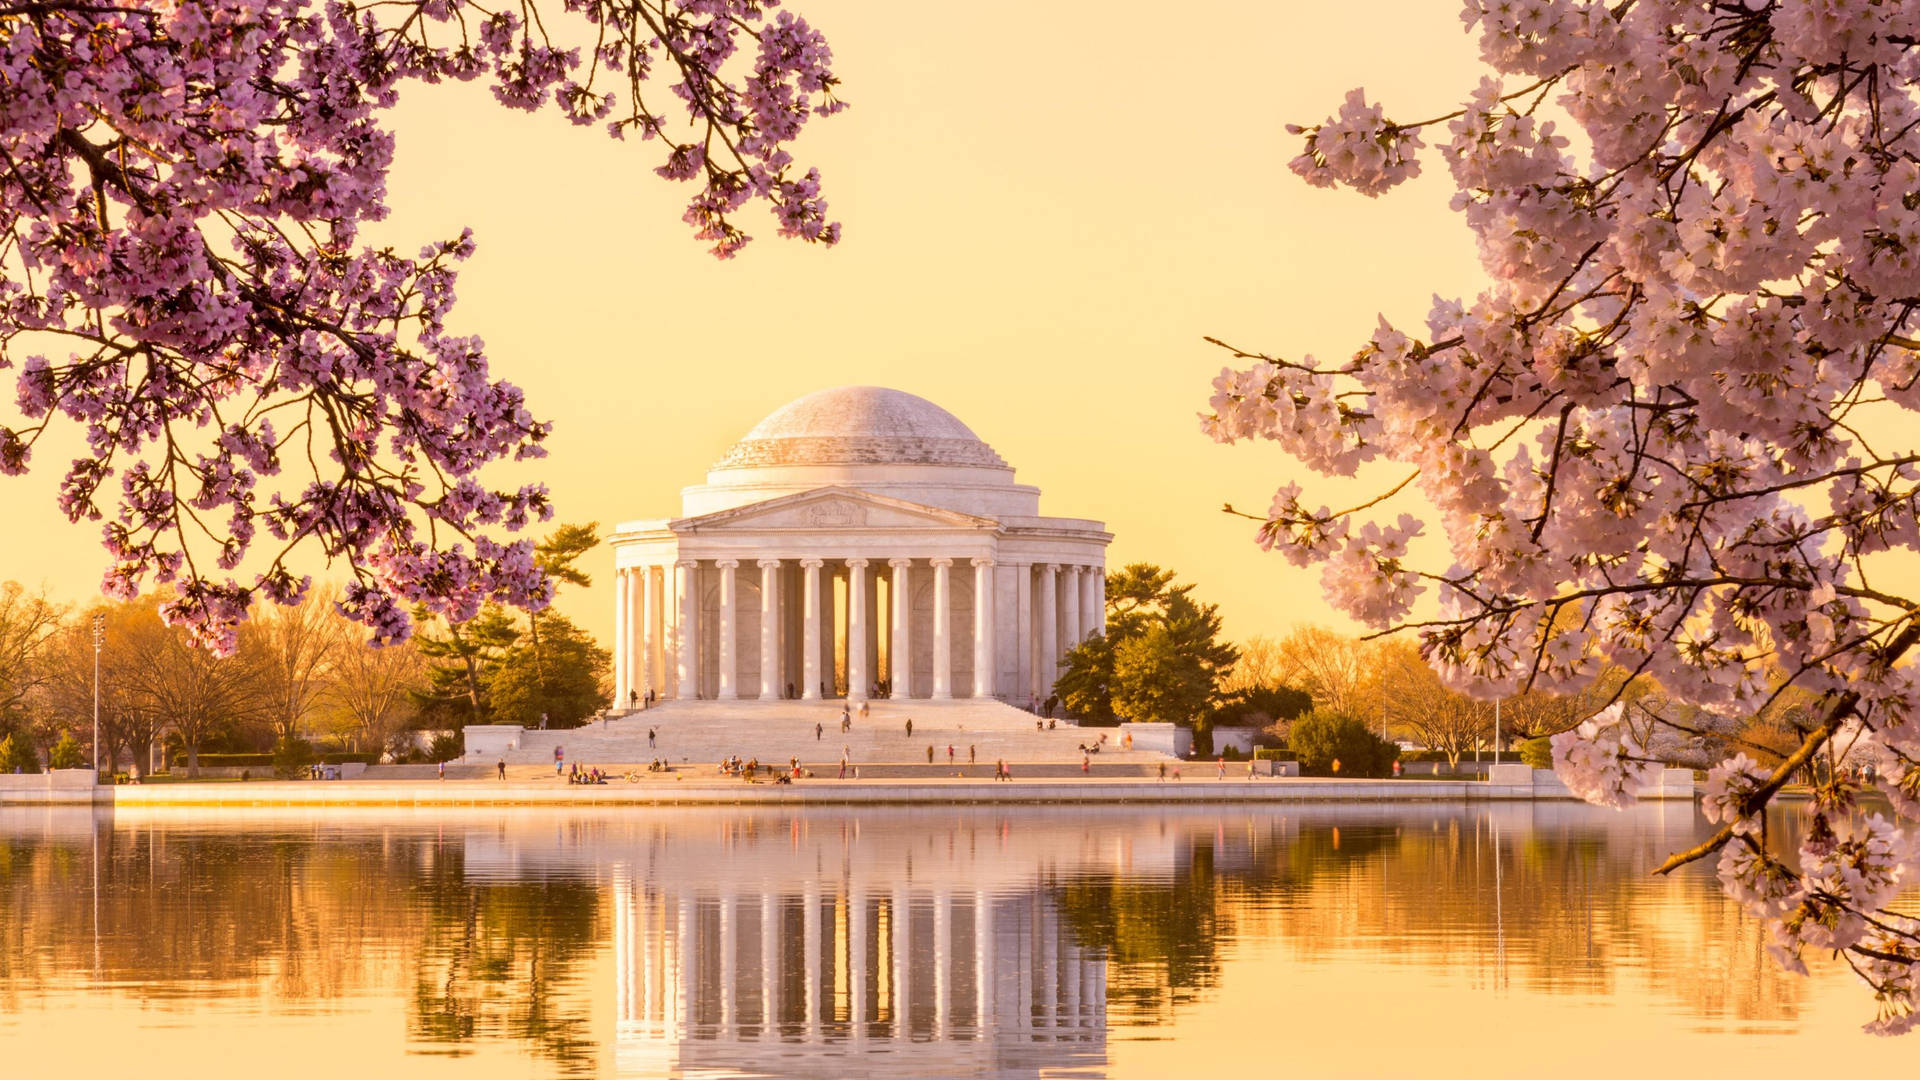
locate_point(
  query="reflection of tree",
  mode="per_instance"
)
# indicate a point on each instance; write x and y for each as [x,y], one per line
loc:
[297,917]
[494,959]
[1159,936]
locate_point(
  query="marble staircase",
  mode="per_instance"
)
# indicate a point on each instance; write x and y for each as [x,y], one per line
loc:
[702,732]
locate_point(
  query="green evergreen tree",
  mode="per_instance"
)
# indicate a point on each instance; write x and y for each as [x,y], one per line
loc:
[460,665]
[67,754]
[557,556]
[1160,659]
[16,754]
[562,679]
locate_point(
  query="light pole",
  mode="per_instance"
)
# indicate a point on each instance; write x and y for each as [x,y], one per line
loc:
[1496,731]
[99,639]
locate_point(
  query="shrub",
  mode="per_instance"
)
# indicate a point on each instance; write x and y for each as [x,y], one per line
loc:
[446,746]
[1232,753]
[16,755]
[1537,753]
[291,757]
[67,754]
[1321,738]
[1270,753]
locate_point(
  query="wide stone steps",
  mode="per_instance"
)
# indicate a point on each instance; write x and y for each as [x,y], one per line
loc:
[703,732]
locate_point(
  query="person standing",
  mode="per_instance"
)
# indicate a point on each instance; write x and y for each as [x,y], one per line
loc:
[443,770]
[1163,772]
[969,753]
[819,730]
[502,764]
[559,759]
[909,727]
[651,733]
[929,753]
[1086,764]
[1223,766]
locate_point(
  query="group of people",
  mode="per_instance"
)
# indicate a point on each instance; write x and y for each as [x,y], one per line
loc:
[578,775]
[638,700]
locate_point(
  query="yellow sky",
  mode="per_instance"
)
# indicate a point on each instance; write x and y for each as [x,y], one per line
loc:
[1046,206]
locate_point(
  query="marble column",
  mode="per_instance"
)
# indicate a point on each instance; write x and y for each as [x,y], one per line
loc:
[900,652]
[1023,633]
[810,616]
[649,631]
[983,652]
[1049,629]
[636,624]
[729,629]
[942,629]
[622,645]
[1090,612]
[769,629]
[1100,599]
[1070,597]
[686,676]
[857,674]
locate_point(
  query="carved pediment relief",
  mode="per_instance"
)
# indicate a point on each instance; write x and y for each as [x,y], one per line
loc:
[834,512]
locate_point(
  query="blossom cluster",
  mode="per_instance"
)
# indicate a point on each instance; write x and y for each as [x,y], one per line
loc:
[181,277]
[1666,437]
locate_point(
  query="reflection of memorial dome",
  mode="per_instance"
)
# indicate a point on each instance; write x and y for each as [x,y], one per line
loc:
[860,425]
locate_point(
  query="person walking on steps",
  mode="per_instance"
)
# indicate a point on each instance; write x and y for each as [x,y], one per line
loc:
[909,727]
[819,730]
[651,734]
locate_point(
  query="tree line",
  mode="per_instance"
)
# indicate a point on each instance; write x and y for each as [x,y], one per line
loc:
[302,675]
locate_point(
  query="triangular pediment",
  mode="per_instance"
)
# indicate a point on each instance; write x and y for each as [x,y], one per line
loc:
[832,509]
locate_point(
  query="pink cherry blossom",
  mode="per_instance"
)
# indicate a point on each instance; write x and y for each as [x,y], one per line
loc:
[184,184]
[1672,434]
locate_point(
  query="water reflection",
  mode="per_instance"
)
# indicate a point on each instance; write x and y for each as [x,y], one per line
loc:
[954,942]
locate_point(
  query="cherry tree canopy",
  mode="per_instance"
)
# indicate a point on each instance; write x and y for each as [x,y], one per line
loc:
[1674,435]
[183,184]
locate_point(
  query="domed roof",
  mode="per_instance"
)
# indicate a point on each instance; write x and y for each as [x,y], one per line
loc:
[860,425]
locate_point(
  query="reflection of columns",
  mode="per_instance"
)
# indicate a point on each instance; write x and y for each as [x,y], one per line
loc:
[900,652]
[902,951]
[942,630]
[649,619]
[1070,618]
[942,961]
[982,628]
[769,969]
[686,672]
[622,628]
[729,967]
[857,960]
[810,616]
[1049,628]
[982,959]
[811,944]
[769,629]
[682,973]
[729,628]
[857,675]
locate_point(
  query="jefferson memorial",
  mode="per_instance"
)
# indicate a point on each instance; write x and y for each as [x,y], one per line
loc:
[857,542]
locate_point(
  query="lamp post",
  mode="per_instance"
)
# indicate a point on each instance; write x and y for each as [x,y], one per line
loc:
[99,640]
[1496,731]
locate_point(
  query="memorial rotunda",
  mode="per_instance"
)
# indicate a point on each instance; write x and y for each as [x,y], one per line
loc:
[857,541]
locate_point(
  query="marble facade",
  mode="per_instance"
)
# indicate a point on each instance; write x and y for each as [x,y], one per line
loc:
[857,540]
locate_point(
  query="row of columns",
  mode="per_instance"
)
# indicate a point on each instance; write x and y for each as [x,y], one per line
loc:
[647,629]
[1027,976]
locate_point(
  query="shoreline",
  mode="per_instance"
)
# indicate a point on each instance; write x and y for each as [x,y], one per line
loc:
[816,792]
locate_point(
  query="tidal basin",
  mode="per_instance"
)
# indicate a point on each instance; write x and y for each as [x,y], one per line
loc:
[889,941]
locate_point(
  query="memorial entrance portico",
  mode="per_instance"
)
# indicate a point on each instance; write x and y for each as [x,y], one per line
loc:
[858,541]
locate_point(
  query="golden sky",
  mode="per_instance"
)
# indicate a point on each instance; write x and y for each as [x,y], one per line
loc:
[1045,205]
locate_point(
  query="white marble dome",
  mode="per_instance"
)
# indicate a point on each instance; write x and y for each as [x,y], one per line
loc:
[860,425]
[873,438]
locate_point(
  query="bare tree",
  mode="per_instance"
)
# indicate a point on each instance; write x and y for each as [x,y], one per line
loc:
[192,692]
[28,623]
[1262,664]
[375,691]
[1334,668]
[293,650]
[1410,697]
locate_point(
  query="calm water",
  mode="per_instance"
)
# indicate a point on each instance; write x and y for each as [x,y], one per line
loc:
[1325,940]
